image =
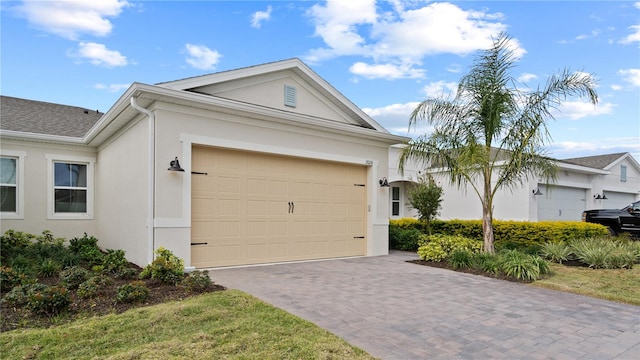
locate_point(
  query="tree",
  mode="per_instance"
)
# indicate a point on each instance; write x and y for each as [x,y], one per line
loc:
[491,135]
[426,197]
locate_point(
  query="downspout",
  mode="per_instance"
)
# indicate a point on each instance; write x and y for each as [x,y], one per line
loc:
[152,177]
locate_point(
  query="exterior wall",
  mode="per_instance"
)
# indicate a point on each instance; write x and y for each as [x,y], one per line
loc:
[36,188]
[179,128]
[122,193]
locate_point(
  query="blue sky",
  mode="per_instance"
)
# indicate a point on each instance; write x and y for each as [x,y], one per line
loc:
[385,56]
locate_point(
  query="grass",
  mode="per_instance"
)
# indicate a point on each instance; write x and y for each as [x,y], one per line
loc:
[621,285]
[222,325]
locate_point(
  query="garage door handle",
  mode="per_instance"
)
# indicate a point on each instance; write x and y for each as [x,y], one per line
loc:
[199,243]
[289,207]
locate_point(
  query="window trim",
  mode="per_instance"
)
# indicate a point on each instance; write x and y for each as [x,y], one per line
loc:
[19,156]
[90,163]
[395,202]
[623,173]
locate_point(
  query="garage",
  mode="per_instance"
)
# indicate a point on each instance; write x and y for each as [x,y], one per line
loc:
[255,208]
[561,203]
[617,200]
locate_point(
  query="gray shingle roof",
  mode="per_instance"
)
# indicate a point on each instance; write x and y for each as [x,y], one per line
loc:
[596,162]
[45,118]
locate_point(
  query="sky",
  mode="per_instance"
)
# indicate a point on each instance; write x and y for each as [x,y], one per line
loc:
[384,56]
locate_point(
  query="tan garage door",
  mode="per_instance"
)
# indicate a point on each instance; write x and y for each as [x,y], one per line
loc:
[255,208]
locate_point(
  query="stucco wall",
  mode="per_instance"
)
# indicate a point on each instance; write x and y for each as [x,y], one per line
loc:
[122,193]
[36,187]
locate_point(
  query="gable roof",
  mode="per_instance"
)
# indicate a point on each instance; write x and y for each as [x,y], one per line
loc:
[597,162]
[193,84]
[39,117]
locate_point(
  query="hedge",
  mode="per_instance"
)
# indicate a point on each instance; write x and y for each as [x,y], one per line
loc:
[507,234]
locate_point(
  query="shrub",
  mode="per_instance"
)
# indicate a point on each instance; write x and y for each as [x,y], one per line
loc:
[73,276]
[19,295]
[114,261]
[593,252]
[519,265]
[197,281]
[437,247]
[136,291]
[489,263]
[404,239]
[166,267]
[555,251]
[49,267]
[92,287]
[48,300]
[8,278]
[87,249]
[460,259]
[432,252]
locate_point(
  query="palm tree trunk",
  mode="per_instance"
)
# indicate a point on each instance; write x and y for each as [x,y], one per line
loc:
[487,229]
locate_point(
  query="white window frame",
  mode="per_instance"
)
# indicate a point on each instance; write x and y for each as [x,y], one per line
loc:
[90,163]
[623,173]
[19,156]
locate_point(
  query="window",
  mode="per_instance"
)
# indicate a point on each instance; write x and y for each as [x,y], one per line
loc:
[8,184]
[395,201]
[12,184]
[623,173]
[71,194]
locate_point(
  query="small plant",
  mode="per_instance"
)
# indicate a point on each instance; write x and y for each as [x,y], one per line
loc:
[460,259]
[489,263]
[19,295]
[136,291]
[197,281]
[73,276]
[8,278]
[438,247]
[404,239]
[114,261]
[49,267]
[594,252]
[48,300]
[87,249]
[92,287]
[556,252]
[432,252]
[166,267]
[519,265]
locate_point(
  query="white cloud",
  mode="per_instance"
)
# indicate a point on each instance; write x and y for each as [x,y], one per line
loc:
[401,36]
[575,110]
[395,118]
[201,57]
[440,89]
[70,18]
[633,37]
[98,54]
[526,77]
[593,33]
[569,149]
[632,76]
[386,71]
[112,87]
[259,16]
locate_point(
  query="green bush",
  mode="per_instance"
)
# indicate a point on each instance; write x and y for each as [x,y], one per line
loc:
[605,253]
[8,278]
[49,267]
[432,252]
[73,276]
[556,251]
[87,249]
[19,295]
[489,263]
[197,281]
[136,291]
[48,300]
[460,259]
[166,267]
[93,286]
[519,265]
[114,261]
[437,247]
[404,239]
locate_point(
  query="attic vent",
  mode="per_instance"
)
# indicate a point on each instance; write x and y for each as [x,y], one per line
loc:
[290,96]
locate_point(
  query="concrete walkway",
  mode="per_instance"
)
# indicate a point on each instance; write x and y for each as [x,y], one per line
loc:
[397,310]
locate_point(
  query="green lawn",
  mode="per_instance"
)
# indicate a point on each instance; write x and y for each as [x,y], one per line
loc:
[221,325]
[622,285]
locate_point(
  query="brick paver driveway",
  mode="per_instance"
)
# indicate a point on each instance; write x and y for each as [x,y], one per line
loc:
[398,310]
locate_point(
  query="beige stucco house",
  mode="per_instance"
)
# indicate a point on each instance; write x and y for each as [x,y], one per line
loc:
[277,166]
[594,182]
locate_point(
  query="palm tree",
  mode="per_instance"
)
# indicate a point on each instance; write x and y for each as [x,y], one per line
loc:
[491,135]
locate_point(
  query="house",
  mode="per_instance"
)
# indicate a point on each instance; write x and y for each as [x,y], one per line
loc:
[594,182]
[262,164]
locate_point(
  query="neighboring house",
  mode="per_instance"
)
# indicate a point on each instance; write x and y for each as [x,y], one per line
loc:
[581,185]
[278,166]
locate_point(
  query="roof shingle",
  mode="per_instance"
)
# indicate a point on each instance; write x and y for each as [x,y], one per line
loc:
[45,118]
[596,162]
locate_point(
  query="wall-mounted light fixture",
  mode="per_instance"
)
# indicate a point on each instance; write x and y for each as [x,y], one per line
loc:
[384,182]
[174,165]
[537,192]
[600,197]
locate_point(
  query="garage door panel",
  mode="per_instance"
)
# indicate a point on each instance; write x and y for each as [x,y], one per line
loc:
[242,208]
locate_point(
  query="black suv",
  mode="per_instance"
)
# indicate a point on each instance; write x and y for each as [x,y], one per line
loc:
[626,219]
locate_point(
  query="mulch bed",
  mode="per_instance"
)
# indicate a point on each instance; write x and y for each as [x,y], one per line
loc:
[102,304]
